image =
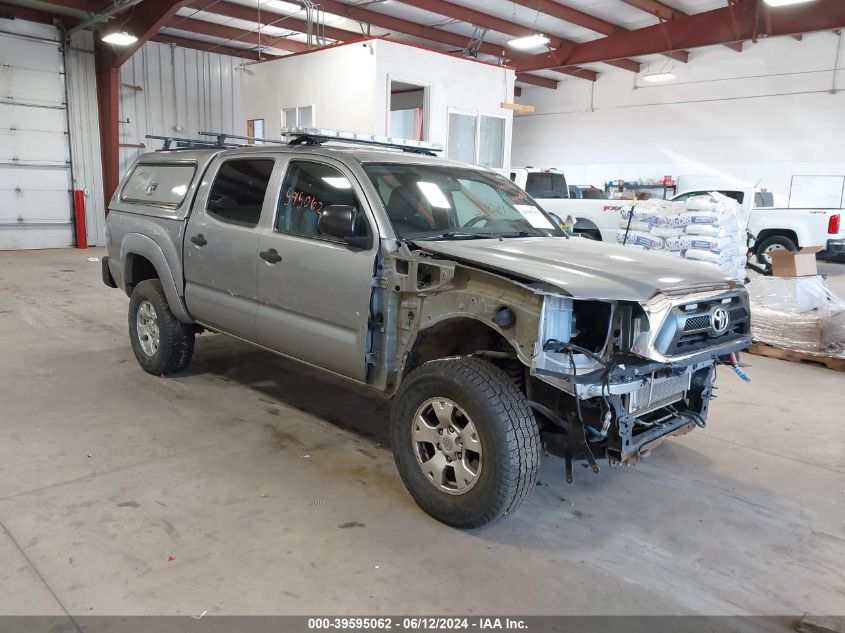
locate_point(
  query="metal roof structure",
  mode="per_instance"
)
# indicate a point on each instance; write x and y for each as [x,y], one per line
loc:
[586,37]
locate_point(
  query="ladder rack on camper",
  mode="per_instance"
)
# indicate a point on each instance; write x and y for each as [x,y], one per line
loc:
[299,136]
[318,136]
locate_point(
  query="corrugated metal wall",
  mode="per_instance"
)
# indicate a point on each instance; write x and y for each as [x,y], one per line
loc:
[176,91]
[85,132]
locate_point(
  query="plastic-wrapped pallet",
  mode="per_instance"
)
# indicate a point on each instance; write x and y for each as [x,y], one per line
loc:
[708,228]
[798,313]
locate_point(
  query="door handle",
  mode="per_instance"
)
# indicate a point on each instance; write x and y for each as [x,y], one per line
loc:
[271,257]
[199,240]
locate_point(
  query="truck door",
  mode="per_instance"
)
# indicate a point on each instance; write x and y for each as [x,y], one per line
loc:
[221,244]
[314,291]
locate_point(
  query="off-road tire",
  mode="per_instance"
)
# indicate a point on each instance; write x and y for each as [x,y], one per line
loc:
[176,339]
[774,240]
[506,428]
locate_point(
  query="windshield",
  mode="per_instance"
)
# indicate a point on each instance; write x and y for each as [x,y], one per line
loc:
[434,202]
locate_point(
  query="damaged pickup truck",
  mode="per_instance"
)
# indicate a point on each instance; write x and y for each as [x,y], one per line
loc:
[438,284]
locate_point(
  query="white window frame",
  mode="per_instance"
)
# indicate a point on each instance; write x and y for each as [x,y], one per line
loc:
[298,108]
[426,87]
[477,114]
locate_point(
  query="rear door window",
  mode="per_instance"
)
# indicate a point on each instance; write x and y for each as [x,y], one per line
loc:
[160,184]
[238,192]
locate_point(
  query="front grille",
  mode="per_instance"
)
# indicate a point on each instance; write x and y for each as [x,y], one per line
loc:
[658,393]
[700,322]
[689,327]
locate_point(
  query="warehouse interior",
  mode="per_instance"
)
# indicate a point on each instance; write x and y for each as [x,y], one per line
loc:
[604,236]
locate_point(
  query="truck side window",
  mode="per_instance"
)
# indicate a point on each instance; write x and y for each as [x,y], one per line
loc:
[237,195]
[307,189]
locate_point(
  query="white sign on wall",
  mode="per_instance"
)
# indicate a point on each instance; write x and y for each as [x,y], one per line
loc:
[823,192]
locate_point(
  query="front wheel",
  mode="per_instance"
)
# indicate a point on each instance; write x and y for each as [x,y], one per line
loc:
[465,441]
[162,344]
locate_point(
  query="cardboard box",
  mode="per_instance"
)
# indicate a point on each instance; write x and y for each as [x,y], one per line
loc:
[800,264]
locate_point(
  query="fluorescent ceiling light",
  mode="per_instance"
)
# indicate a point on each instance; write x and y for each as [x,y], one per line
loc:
[658,77]
[434,196]
[119,38]
[783,3]
[338,182]
[529,41]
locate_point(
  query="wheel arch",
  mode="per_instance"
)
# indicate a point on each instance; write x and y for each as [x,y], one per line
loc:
[767,233]
[455,336]
[586,225]
[141,256]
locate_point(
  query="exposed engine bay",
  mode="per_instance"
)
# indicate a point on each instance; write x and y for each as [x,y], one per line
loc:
[606,379]
[617,391]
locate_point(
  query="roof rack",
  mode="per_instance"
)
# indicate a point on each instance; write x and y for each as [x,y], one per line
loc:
[298,136]
[222,136]
[206,143]
[189,143]
[318,136]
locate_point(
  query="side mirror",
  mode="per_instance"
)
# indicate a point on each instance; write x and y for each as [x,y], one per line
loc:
[343,222]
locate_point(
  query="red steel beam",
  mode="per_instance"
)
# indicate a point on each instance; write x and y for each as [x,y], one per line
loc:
[585,20]
[665,12]
[280,20]
[726,25]
[242,12]
[573,16]
[656,8]
[108,108]
[231,33]
[465,14]
[536,80]
[407,27]
[145,21]
[185,42]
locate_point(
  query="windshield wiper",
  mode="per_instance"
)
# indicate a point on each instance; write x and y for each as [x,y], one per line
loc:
[455,235]
[521,234]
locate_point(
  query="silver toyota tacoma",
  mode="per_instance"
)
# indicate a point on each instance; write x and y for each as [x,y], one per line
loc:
[438,284]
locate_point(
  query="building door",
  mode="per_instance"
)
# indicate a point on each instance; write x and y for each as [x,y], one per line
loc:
[35,181]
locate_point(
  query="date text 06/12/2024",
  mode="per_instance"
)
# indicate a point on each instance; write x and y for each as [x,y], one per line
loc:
[416,623]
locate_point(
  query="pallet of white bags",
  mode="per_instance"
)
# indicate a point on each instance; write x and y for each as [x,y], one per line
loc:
[764,349]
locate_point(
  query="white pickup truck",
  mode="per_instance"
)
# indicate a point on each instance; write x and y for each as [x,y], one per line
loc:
[596,218]
[774,228]
[778,228]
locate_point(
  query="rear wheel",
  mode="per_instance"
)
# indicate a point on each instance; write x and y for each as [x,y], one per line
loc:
[162,344]
[465,441]
[772,244]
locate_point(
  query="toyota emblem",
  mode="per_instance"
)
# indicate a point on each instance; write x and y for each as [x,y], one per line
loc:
[719,320]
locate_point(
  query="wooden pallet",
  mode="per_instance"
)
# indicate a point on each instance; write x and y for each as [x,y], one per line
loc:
[764,349]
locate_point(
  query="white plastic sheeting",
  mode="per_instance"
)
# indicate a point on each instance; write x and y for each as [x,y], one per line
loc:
[798,313]
[172,91]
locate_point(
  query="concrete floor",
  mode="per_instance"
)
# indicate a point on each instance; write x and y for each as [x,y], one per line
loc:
[273,491]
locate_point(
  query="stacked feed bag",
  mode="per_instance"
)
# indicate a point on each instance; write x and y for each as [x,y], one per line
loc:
[798,313]
[707,228]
